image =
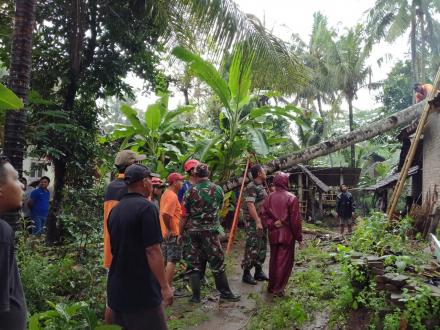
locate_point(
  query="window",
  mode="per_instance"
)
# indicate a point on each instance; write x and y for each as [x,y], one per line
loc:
[36,170]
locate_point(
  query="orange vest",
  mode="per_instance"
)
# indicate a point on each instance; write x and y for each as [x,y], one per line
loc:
[113,194]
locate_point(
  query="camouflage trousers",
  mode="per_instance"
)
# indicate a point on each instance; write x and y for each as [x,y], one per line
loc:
[205,245]
[256,246]
[186,246]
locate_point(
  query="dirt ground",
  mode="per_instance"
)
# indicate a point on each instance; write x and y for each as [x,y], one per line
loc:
[234,316]
[212,314]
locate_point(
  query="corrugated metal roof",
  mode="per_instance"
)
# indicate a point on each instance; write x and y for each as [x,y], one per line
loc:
[389,180]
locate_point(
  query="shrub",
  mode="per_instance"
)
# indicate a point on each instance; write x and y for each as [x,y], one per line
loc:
[73,316]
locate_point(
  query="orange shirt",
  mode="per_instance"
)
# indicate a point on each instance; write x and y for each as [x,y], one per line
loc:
[169,204]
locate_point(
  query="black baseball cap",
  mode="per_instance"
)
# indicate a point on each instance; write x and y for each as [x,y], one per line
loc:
[137,172]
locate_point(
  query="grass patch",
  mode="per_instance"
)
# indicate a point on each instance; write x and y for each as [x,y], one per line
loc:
[311,288]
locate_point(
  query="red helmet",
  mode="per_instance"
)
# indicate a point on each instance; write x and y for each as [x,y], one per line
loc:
[156,182]
[190,164]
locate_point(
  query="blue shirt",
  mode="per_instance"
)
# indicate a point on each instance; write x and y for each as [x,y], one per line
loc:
[186,186]
[40,206]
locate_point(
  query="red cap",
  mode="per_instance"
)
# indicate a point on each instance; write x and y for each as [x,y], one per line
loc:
[173,177]
[156,182]
[190,164]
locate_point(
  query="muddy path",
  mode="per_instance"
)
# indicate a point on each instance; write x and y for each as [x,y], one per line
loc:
[212,314]
[234,316]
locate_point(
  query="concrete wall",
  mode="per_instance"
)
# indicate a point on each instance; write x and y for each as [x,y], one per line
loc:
[31,174]
[431,154]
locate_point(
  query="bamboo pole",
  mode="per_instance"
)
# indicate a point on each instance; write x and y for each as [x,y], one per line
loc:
[237,211]
[412,150]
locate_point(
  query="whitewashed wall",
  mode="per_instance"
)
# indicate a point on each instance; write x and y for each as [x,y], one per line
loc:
[431,154]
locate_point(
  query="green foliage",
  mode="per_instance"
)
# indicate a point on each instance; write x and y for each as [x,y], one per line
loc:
[315,285]
[314,53]
[393,18]
[375,235]
[397,88]
[8,100]
[392,320]
[242,127]
[73,316]
[44,280]
[69,273]
[420,307]
[81,216]
[162,134]
[283,315]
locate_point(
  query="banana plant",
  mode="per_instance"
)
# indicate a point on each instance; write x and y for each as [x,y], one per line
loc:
[8,100]
[243,128]
[161,134]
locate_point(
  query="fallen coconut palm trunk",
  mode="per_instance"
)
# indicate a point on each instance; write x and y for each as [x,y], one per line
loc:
[367,132]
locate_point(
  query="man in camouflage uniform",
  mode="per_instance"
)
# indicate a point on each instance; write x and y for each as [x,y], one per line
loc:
[256,235]
[203,202]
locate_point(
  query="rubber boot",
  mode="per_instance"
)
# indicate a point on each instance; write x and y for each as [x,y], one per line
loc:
[202,272]
[260,275]
[247,277]
[222,285]
[195,287]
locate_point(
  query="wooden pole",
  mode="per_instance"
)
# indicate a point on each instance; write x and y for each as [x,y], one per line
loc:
[237,211]
[412,150]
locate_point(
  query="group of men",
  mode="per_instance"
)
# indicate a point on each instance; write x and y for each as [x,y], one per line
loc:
[144,242]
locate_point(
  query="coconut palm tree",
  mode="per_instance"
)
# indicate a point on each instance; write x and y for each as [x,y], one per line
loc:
[390,19]
[219,24]
[19,79]
[348,58]
[321,88]
[18,82]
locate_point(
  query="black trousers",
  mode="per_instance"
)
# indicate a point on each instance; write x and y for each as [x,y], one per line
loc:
[147,319]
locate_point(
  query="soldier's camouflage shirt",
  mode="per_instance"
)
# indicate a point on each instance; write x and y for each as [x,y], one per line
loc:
[256,194]
[203,202]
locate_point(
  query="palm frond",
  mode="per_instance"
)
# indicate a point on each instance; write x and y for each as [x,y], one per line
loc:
[219,24]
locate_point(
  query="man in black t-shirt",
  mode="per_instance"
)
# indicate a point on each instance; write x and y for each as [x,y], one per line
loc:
[136,280]
[12,302]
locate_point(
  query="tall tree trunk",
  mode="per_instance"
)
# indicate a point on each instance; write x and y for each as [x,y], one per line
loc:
[53,230]
[351,123]
[413,38]
[318,99]
[19,80]
[423,52]
[403,117]
[76,37]
[186,95]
